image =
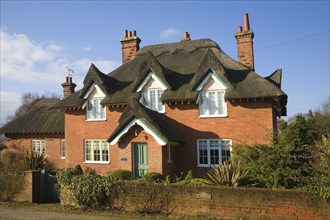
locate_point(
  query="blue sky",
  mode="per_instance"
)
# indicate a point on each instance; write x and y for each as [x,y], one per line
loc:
[39,39]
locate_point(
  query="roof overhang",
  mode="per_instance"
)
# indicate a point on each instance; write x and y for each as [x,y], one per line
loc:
[136,121]
[147,78]
[215,77]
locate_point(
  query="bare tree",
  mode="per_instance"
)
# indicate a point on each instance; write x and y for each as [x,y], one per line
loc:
[28,99]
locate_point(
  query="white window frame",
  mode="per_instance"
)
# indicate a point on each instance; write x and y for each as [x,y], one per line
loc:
[91,158]
[147,102]
[94,110]
[63,149]
[38,146]
[220,107]
[221,144]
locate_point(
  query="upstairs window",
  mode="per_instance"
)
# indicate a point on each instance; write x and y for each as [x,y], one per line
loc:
[151,99]
[212,103]
[38,146]
[213,152]
[94,109]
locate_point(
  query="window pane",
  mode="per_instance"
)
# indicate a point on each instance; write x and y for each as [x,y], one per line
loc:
[144,98]
[225,150]
[105,151]
[214,156]
[96,148]
[214,152]
[102,112]
[152,94]
[202,148]
[88,151]
[95,108]
[203,103]
[89,110]
[160,104]
[63,148]
[42,146]
[33,146]
[221,102]
[213,107]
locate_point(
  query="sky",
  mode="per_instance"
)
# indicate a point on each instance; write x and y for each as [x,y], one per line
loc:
[41,39]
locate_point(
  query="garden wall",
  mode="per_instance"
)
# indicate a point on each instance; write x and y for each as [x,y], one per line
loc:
[222,202]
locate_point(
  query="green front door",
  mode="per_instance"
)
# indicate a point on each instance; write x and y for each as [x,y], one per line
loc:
[140,152]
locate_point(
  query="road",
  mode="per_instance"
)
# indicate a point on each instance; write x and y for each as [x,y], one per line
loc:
[40,213]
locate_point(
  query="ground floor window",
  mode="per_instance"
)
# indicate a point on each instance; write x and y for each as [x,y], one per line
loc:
[96,151]
[212,152]
[63,149]
[38,146]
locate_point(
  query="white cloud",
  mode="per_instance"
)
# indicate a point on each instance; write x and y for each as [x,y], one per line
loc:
[29,64]
[9,104]
[168,33]
[87,49]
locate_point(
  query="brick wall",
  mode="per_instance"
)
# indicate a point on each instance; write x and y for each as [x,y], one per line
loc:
[225,202]
[52,145]
[247,122]
[31,189]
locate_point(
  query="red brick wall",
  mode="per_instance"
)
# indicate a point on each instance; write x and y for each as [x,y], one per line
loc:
[224,202]
[247,122]
[52,146]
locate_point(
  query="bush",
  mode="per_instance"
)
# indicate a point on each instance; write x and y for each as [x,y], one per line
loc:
[65,177]
[230,173]
[153,177]
[35,161]
[10,186]
[121,175]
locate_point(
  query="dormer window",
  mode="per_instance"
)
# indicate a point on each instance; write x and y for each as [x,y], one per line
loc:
[151,99]
[151,90]
[212,97]
[212,103]
[94,110]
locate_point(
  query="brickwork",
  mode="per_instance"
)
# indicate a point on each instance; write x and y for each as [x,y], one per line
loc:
[228,203]
[31,189]
[52,146]
[247,122]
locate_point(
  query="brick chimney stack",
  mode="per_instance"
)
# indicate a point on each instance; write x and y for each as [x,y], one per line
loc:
[68,86]
[130,45]
[245,44]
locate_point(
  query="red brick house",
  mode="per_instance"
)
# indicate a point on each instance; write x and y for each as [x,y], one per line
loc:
[168,108]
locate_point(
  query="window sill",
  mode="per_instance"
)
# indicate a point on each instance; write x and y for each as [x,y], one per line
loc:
[96,120]
[96,162]
[213,116]
[62,158]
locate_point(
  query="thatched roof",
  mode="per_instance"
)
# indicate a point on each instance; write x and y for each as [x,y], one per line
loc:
[181,66]
[41,119]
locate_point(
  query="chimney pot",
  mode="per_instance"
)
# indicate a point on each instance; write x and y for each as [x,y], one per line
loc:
[246,22]
[125,33]
[240,29]
[130,34]
[134,33]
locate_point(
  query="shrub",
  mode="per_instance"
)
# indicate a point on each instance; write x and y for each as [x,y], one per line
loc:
[64,177]
[230,173]
[121,175]
[153,177]
[35,161]
[10,186]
